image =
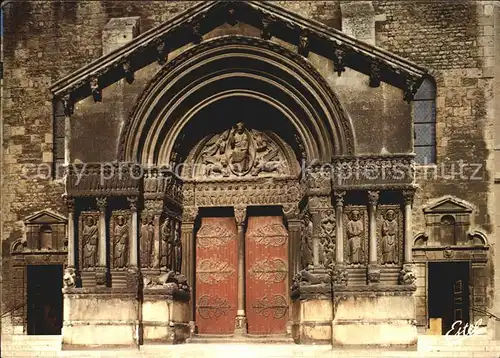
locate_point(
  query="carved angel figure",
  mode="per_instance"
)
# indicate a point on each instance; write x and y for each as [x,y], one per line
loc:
[354,237]
[89,239]
[120,239]
[389,232]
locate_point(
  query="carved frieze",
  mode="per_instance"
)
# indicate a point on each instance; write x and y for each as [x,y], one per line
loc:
[355,235]
[257,192]
[389,235]
[319,181]
[363,172]
[240,152]
[88,238]
[120,231]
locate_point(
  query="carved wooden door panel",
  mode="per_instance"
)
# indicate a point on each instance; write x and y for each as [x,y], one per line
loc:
[266,246]
[216,275]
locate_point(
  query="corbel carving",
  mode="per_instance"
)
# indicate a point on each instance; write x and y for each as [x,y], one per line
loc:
[68,105]
[189,213]
[291,211]
[161,51]
[70,203]
[410,89]
[231,16]
[266,32]
[129,71]
[373,197]
[408,196]
[132,201]
[339,197]
[240,214]
[338,61]
[304,43]
[375,74]
[102,203]
[407,275]
[95,89]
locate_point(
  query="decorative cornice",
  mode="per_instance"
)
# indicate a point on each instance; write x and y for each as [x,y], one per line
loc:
[204,16]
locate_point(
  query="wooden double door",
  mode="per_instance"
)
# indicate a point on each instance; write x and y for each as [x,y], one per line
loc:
[265,275]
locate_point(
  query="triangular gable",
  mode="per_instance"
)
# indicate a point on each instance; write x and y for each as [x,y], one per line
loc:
[448,204]
[274,21]
[44,217]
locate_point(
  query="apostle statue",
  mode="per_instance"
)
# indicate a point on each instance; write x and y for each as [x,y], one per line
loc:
[120,240]
[389,232]
[90,237]
[147,240]
[165,239]
[354,237]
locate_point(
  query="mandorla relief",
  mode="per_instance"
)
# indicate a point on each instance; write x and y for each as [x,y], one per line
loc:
[239,152]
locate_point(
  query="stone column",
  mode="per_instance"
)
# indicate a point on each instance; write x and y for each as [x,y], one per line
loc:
[315,218]
[339,218]
[69,274]
[133,253]
[101,271]
[187,242]
[373,269]
[241,319]
[291,213]
[407,275]
[408,201]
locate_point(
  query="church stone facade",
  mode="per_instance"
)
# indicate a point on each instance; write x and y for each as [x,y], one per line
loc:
[310,171]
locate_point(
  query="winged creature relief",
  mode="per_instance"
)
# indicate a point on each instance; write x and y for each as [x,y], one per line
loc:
[240,152]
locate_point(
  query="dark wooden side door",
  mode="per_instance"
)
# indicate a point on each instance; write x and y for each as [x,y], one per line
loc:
[216,275]
[45,300]
[266,251]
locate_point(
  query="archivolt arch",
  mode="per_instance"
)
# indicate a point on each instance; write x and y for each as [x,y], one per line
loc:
[235,66]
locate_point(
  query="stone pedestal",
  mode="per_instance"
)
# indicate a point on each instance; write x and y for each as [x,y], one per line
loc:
[164,320]
[100,317]
[364,319]
[312,320]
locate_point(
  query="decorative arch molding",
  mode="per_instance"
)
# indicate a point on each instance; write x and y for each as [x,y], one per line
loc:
[236,66]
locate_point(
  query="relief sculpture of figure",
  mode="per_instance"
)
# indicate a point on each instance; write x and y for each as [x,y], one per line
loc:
[240,145]
[354,237]
[306,241]
[120,239]
[389,232]
[147,240]
[89,240]
[177,248]
[267,157]
[213,158]
[166,234]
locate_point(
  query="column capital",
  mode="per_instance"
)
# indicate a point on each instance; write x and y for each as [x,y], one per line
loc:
[373,197]
[408,196]
[132,202]
[339,197]
[240,212]
[291,211]
[189,213]
[70,203]
[68,105]
[102,202]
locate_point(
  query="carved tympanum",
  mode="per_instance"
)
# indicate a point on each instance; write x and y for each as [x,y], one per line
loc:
[239,152]
[89,238]
[120,231]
